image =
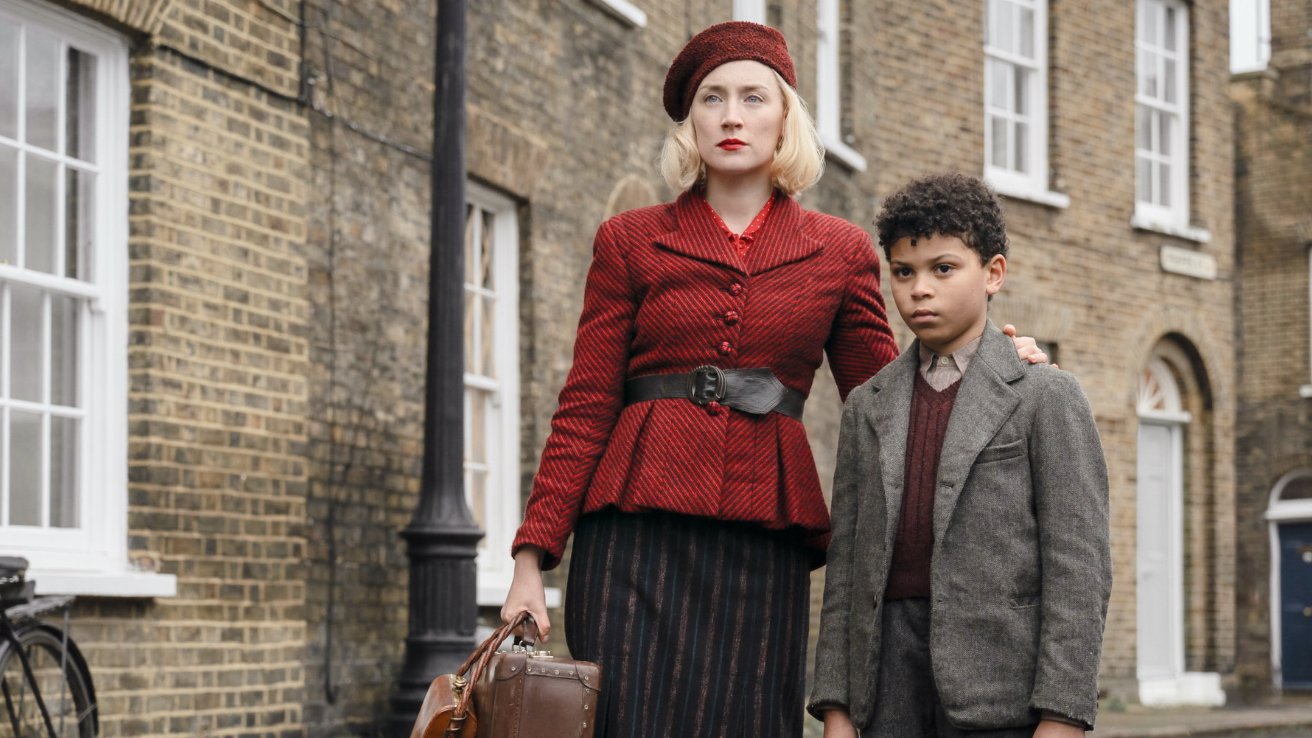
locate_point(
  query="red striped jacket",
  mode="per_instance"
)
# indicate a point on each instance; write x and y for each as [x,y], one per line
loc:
[666,293]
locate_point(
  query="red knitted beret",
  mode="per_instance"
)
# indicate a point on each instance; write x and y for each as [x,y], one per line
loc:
[723,42]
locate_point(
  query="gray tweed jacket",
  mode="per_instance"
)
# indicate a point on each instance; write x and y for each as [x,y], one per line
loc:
[1021,568]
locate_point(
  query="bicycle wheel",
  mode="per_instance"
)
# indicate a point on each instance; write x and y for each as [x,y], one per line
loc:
[68,693]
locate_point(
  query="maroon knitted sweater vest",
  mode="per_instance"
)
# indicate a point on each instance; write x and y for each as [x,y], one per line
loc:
[914,545]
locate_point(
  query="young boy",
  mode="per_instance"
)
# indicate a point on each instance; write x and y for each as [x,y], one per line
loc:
[970,568]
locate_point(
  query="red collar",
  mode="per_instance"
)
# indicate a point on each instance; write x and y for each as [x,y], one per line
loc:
[741,241]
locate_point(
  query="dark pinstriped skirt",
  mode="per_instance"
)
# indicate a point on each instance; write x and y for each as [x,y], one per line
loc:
[699,625]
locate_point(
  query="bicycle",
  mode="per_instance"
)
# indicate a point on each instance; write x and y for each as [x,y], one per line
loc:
[46,686]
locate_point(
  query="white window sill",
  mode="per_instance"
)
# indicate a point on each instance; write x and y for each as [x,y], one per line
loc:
[1189,233]
[120,584]
[1305,391]
[492,590]
[624,11]
[843,154]
[1042,197]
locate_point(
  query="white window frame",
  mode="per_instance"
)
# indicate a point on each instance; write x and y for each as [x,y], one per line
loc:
[624,11]
[749,10]
[1251,21]
[829,86]
[1031,185]
[91,559]
[1173,219]
[502,511]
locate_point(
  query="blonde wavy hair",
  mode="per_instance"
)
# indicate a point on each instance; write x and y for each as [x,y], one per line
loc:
[798,162]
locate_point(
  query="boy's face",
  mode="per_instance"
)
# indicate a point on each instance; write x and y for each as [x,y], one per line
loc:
[942,291]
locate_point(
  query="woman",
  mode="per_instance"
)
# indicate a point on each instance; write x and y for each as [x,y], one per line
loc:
[677,456]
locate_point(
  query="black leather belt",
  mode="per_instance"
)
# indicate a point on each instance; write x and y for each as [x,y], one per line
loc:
[755,391]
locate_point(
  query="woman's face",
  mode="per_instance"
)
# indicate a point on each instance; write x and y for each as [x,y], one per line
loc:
[738,117]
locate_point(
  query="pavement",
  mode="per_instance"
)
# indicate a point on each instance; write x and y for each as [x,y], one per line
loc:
[1289,719]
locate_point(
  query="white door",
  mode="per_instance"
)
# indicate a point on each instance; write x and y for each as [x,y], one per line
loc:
[1160,628]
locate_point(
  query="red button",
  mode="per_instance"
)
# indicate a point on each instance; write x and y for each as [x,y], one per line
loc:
[731,317]
[735,289]
[726,348]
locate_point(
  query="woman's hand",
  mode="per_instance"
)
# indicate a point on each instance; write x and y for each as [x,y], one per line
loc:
[838,724]
[527,593]
[1026,346]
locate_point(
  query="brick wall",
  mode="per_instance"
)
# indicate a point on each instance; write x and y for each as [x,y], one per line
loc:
[1273,128]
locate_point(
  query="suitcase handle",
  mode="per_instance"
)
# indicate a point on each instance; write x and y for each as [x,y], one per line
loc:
[474,666]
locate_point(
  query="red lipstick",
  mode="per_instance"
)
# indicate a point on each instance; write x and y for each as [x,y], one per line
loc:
[731,144]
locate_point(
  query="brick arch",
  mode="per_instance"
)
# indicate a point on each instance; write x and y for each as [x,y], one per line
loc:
[1185,330]
[143,15]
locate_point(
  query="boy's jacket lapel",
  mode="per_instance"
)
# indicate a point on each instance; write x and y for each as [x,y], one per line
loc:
[890,421]
[983,404]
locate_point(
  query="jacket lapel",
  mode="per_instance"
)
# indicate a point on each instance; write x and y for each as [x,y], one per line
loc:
[890,421]
[698,236]
[983,404]
[781,240]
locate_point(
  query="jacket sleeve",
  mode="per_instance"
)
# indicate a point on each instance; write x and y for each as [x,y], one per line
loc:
[832,672]
[860,341]
[589,403]
[1070,487]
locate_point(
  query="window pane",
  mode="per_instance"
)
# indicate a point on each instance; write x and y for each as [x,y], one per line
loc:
[1150,23]
[8,80]
[41,213]
[1169,29]
[1022,143]
[1164,184]
[1168,80]
[471,244]
[471,319]
[25,329]
[1021,85]
[1142,179]
[79,224]
[485,266]
[8,205]
[999,74]
[24,468]
[80,114]
[1004,26]
[486,362]
[63,473]
[1027,32]
[1148,73]
[63,350]
[1143,128]
[992,28]
[998,142]
[1165,127]
[42,89]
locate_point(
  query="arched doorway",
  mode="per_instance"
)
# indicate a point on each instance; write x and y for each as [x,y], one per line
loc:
[1163,472]
[1290,516]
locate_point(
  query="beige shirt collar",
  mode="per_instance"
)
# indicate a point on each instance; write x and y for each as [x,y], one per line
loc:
[942,371]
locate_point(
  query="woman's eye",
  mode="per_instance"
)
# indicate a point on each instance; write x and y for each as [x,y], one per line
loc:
[754,99]
[712,99]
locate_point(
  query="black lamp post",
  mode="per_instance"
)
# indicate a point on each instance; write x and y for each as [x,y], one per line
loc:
[442,538]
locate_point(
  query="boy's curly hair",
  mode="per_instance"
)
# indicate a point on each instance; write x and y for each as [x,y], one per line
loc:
[947,204]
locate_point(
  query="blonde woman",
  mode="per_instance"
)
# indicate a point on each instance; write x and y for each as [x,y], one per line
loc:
[677,457]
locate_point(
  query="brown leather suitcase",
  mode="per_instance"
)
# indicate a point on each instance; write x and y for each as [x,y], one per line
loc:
[522,693]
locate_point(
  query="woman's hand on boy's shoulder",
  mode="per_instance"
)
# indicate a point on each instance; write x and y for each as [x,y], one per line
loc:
[1026,347]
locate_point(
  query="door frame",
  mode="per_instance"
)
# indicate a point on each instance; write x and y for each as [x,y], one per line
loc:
[1282,511]
[1174,422]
